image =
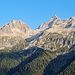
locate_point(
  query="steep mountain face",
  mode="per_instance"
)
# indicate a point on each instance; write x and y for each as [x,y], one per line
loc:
[69,70]
[13,32]
[49,24]
[56,25]
[56,33]
[15,28]
[53,41]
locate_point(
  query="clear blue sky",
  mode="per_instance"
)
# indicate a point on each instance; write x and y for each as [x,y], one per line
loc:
[35,12]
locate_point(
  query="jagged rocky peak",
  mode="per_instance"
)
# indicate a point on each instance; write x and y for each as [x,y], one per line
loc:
[15,24]
[18,23]
[72,17]
[71,20]
[56,25]
[55,17]
[71,23]
[13,32]
[49,24]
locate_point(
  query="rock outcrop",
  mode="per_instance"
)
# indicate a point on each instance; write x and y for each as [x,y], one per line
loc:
[15,28]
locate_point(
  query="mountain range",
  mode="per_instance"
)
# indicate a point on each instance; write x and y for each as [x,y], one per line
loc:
[15,31]
[47,50]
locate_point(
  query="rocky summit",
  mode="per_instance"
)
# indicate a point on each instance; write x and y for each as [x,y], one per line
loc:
[15,28]
[11,33]
[49,24]
[56,25]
